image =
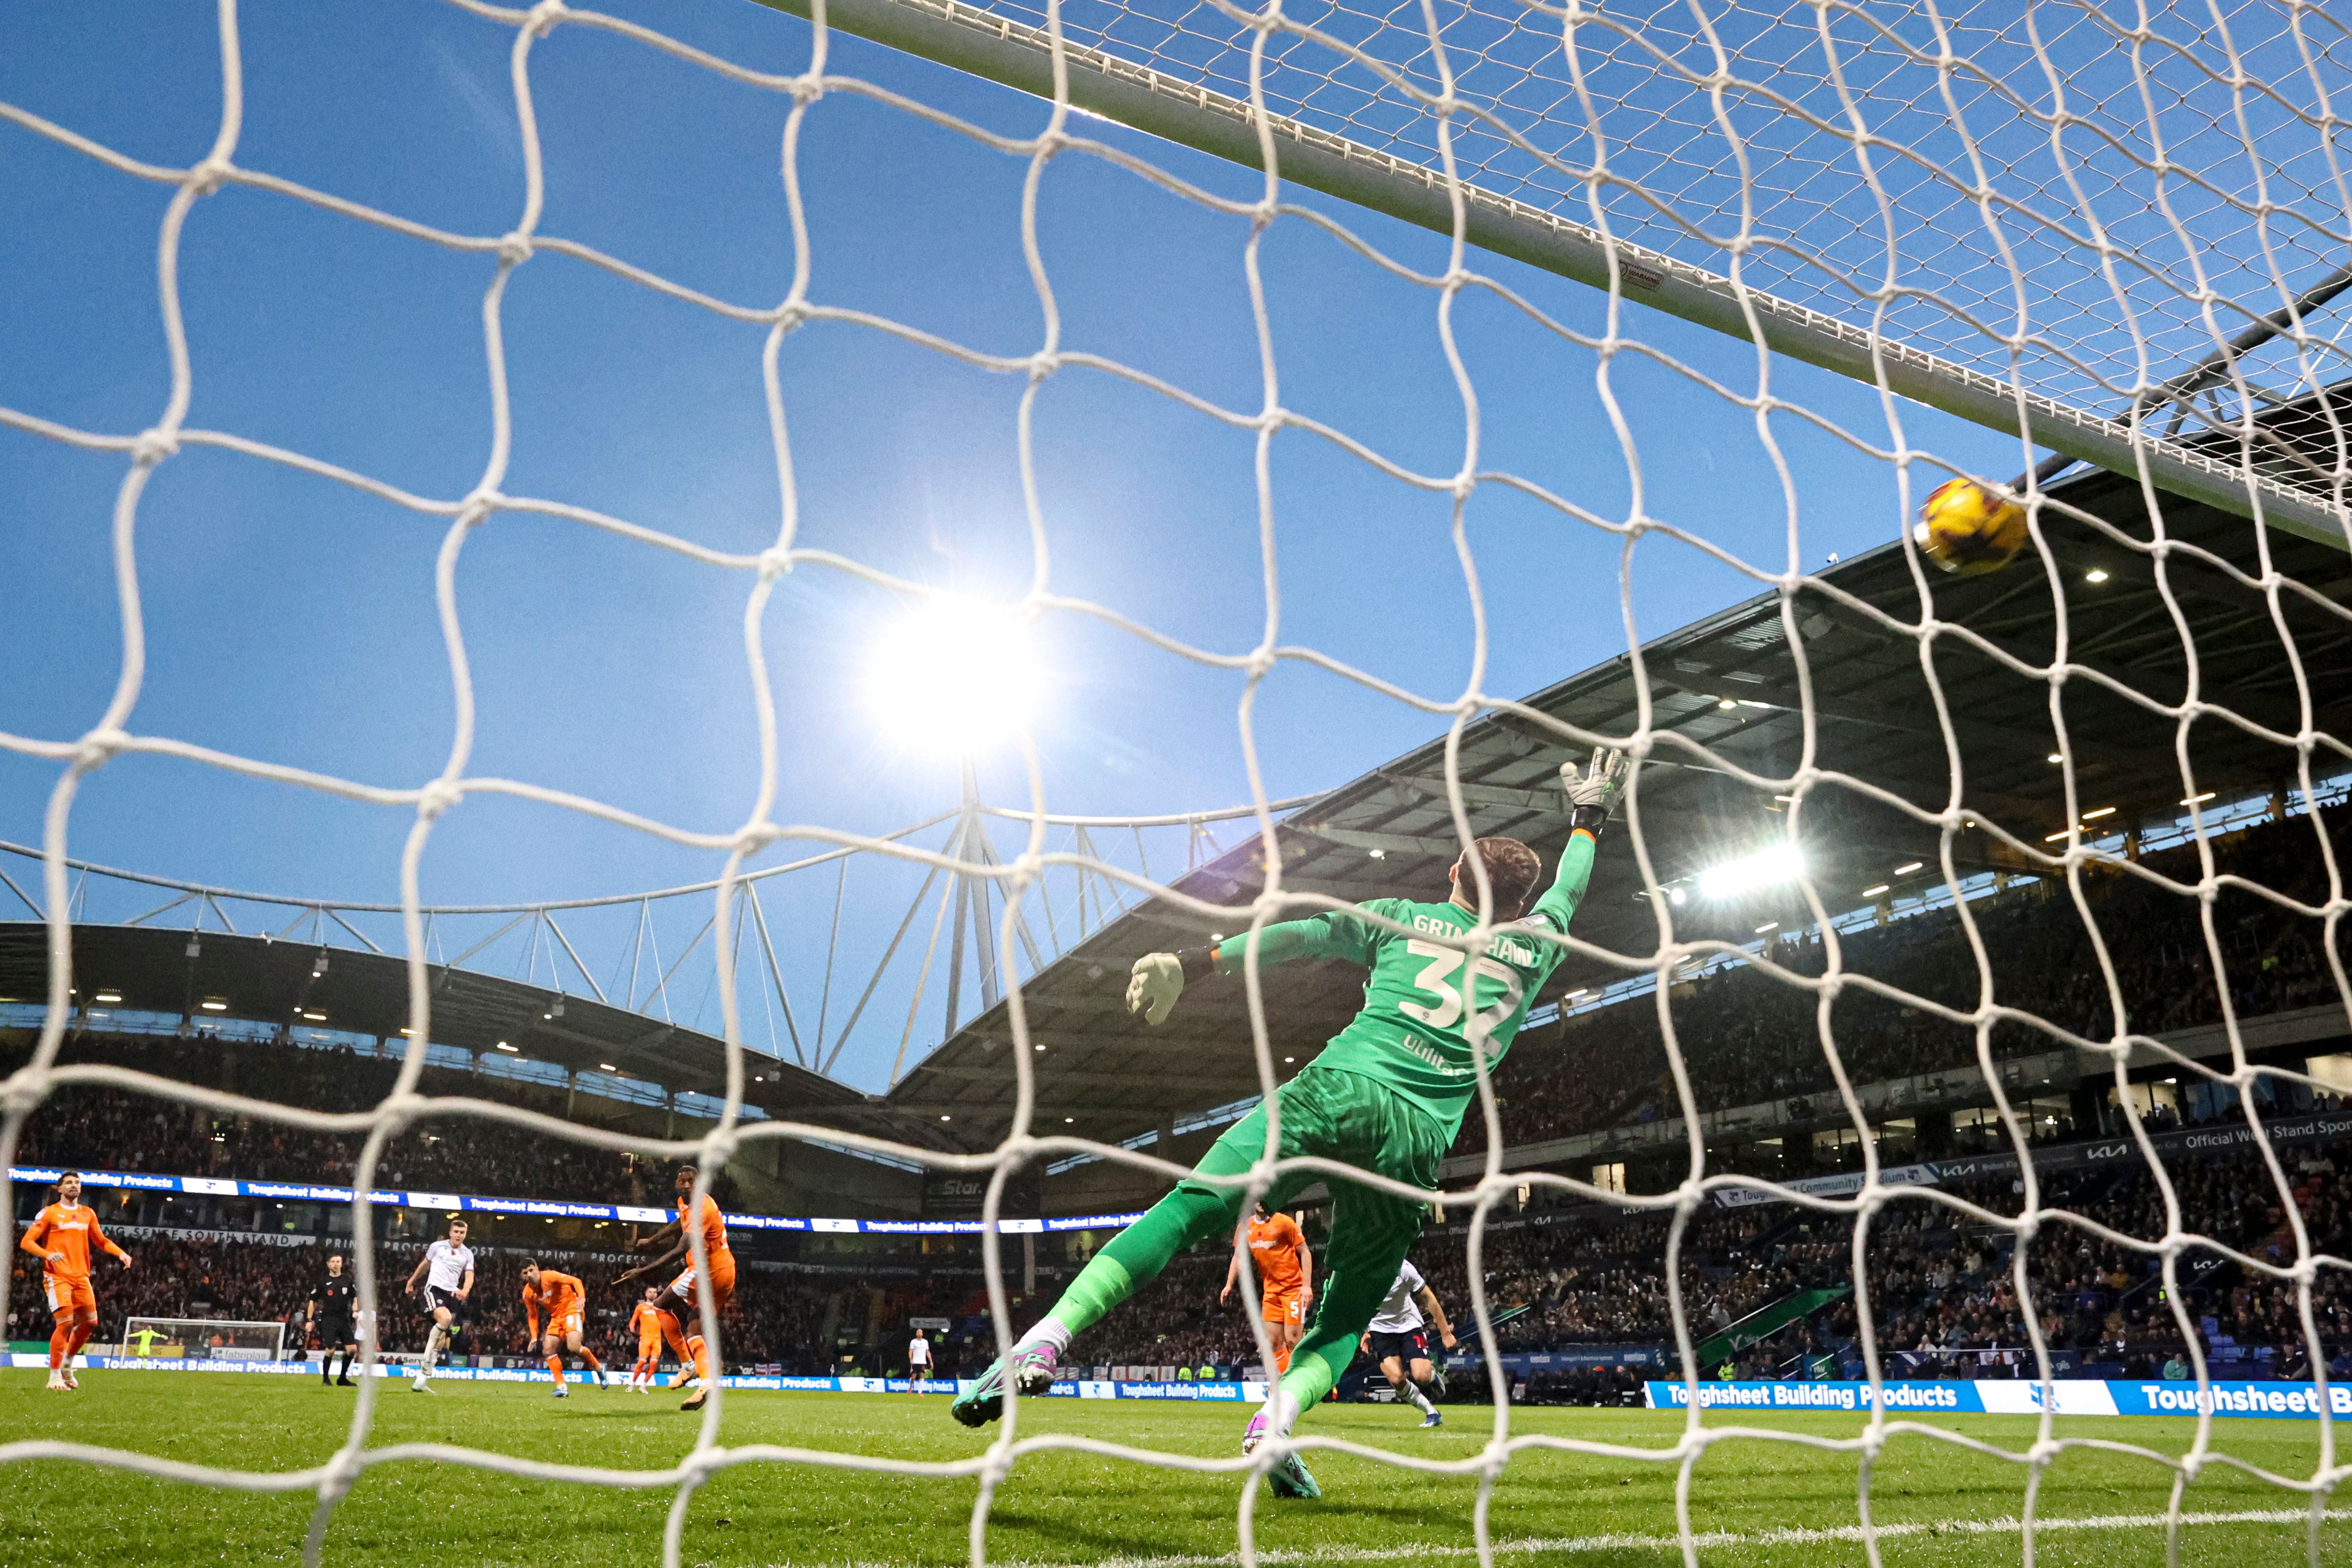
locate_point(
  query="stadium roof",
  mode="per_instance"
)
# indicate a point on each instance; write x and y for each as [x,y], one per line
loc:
[159,970]
[1729,686]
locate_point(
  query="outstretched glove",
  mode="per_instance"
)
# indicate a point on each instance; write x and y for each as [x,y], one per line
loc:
[1592,794]
[1154,986]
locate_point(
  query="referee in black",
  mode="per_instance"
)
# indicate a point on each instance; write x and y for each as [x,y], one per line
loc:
[330,1314]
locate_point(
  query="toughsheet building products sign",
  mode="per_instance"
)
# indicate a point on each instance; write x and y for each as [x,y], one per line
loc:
[2007,1396]
[549,1209]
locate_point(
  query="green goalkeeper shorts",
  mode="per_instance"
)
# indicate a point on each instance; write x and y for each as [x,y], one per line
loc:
[1337,1115]
[1345,1116]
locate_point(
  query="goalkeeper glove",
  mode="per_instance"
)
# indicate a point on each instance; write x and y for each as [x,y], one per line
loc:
[1152,990]
[1158,980]
[1592,794]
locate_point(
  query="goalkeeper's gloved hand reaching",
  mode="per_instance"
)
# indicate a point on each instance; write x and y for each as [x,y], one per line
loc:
[1159,979]
[1154,986]
[1592,794]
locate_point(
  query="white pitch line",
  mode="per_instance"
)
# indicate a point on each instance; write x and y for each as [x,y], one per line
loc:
[1712,1539]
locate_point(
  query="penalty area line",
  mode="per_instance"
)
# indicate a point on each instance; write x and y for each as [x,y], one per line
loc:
[1710,1539]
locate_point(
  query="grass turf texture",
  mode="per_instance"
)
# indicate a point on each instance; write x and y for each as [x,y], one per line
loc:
[1062,1508]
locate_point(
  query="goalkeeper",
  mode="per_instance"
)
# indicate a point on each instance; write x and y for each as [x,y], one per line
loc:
[1387,1096]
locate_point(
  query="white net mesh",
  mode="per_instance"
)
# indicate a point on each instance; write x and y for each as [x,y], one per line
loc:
[2099,193]
[2067,203]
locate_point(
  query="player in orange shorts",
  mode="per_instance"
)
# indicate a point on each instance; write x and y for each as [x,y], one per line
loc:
[61,1237]
[649,1324]
[565,1298]
[682,1301]
[1286,1271]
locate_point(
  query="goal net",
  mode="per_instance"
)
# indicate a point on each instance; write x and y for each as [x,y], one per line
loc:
[201,1339]
[1937,867]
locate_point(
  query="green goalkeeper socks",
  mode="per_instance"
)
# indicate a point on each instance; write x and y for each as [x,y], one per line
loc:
[1316,1372]
[1137,1254]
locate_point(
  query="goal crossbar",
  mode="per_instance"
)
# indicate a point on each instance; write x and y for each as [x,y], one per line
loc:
[1017,55]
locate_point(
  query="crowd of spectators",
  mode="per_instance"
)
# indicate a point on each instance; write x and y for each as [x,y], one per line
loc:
[1941,1283]
[1942,1286]
[104,1128]
[1747,1036]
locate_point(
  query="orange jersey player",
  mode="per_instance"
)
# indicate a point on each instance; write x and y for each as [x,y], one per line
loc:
[1285,1271]
[683,1299]
[61,1237]
[565,1299]
[649,1324]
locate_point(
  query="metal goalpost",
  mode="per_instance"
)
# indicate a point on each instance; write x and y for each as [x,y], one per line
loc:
[1170,98]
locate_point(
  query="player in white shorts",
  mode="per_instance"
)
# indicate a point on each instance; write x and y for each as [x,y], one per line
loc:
[448,1271]
[919,1361]
[1398,1338]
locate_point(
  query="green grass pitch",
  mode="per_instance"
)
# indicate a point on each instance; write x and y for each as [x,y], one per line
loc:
[1769,1502]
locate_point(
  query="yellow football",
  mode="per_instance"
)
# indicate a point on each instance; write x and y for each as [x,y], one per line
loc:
[1967,529]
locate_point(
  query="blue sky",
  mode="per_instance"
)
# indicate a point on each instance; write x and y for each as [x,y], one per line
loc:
[291,618]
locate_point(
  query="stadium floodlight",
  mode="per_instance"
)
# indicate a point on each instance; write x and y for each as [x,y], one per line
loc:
[1907,870]
[2097,574]
[109,996]
[1764,868]
[957,674]
[2102,812]
[215,1005]
[1874,891]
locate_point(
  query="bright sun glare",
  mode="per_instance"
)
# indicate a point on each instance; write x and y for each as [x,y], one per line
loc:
[956,675]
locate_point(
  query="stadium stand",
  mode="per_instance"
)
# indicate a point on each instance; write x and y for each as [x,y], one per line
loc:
[1747,1036]
[1590,1280]
[109,1129]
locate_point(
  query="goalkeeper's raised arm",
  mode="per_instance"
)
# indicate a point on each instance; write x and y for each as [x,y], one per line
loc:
[1159,979]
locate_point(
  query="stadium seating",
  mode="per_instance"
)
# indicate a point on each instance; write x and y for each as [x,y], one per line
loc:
[1747,1038]
[1942,1293]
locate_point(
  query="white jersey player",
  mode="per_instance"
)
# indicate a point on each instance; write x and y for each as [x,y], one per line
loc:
[1398,1338]
[448,1271]
[919,1361]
